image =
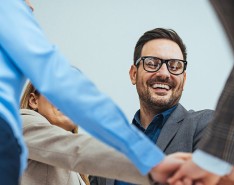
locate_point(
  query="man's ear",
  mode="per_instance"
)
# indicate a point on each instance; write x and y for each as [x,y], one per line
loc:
[185,77]
[133,74]
[33,101]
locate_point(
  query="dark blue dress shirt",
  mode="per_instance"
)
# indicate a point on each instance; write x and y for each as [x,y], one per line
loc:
[152,131]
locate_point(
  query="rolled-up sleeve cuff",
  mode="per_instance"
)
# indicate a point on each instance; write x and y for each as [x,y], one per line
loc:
[211,163]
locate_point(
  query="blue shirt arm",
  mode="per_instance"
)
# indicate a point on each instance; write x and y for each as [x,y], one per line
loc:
[68,89]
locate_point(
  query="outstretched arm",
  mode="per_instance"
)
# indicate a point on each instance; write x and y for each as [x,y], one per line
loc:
[69,90]
[53,145]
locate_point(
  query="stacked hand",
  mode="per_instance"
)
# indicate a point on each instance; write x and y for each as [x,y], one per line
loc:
[168,166]
[179,169]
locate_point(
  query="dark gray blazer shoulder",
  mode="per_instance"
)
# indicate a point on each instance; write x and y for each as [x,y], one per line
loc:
[183,130]
[181,133]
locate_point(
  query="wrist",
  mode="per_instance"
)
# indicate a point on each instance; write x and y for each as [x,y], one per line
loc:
[231,174]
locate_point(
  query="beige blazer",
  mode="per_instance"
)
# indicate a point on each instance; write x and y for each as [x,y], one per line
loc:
[54,153]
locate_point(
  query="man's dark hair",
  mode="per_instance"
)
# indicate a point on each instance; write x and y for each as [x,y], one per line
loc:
[158,33]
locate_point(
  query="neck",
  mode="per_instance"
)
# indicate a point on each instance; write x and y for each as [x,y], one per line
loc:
[147,114]
[149,111]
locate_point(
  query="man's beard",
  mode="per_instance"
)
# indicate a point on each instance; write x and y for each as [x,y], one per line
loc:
[156,102]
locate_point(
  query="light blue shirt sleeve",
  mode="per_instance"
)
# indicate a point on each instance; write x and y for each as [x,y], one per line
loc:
[211,163]
[68,89]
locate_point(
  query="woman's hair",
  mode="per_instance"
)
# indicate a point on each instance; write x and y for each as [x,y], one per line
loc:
[24,103]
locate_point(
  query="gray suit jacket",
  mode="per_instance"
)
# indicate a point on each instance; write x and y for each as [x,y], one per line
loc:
[54,153]
[181,133]
[219,136]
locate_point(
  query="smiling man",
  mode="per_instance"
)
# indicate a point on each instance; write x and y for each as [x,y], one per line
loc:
[159,73]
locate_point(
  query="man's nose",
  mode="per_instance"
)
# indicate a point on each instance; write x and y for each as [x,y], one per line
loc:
[163,71]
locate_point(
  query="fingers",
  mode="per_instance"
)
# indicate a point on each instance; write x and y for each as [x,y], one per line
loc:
[211,179]
[199,183]
[190,173]
[179,183]
[181,179]
[166,168]
[176,177]
[225,181]
[185,181]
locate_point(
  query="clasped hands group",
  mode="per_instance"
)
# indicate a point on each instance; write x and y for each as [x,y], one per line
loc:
[179,169]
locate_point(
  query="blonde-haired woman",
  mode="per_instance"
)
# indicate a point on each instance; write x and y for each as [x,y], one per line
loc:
[55,152]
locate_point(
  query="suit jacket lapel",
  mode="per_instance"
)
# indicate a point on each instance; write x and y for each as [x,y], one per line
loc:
[171,127]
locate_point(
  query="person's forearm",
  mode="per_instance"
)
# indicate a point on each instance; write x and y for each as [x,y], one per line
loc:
[52,145]
[68,89]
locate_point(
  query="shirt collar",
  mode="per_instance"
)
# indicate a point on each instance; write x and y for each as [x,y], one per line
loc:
[165,115]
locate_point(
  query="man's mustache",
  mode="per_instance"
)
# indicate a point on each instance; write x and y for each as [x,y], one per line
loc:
[167,81]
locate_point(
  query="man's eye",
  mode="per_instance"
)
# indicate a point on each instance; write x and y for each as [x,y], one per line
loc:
[152,63]
[175,65]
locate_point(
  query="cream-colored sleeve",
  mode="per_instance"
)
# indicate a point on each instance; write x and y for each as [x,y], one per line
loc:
[77,152]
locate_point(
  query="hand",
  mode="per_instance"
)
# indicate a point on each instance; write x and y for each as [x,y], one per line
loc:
[225,181]
[190,172]
[228,179]
[169,165]
[231,175]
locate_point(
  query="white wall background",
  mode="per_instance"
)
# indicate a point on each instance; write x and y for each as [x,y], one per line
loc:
[99,38]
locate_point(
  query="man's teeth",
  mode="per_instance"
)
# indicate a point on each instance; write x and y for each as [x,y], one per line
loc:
[161,86]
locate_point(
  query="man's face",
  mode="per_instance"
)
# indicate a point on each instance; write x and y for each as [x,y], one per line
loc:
[160,90]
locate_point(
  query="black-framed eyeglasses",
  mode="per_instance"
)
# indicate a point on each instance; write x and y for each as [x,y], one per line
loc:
[153,64]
